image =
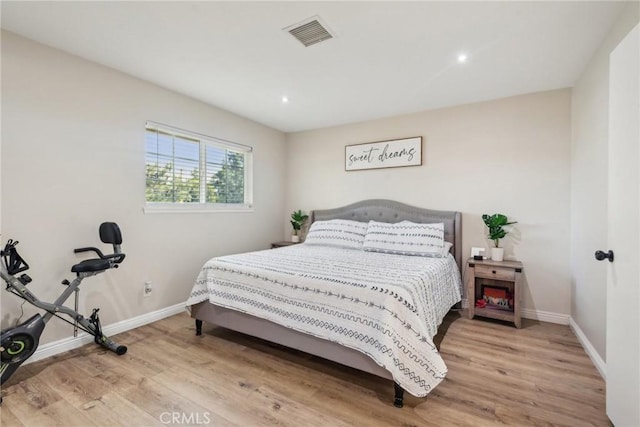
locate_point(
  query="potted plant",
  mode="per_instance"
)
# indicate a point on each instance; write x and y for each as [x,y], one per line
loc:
[495,224]
[298,218]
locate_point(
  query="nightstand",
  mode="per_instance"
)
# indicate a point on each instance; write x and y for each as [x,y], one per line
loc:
[500,283]
[282,244]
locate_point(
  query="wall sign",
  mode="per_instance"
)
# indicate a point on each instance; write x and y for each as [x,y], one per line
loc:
[384,154]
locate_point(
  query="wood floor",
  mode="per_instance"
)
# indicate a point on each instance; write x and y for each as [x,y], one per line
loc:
[537,375]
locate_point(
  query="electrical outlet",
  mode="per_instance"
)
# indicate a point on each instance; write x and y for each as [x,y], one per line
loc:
[147,289]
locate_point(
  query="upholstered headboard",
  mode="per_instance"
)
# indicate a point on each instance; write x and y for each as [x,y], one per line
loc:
[390,211]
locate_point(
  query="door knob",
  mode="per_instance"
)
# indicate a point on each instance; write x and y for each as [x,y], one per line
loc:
[600,255]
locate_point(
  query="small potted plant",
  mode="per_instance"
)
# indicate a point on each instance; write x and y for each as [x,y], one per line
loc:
[495,224]
[298,218]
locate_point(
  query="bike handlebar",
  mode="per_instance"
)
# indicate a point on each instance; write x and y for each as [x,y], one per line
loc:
[13,262]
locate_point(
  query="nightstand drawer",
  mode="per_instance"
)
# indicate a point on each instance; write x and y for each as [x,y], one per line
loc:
[498,273]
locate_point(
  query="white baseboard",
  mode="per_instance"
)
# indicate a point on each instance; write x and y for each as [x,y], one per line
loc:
[600,364]
[545,316]
[66,344]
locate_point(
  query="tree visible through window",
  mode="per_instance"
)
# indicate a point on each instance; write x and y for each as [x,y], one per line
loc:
[186,168]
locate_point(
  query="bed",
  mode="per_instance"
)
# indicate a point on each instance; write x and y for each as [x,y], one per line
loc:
[335,304]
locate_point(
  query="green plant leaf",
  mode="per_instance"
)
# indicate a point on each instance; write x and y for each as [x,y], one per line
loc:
[298,218]
[495,223]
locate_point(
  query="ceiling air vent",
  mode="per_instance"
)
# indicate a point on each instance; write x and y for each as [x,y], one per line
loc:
[310,31]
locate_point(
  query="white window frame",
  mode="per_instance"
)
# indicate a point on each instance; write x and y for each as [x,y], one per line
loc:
[204,140]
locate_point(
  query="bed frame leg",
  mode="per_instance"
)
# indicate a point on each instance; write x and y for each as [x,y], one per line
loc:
[198,327]
[398,401]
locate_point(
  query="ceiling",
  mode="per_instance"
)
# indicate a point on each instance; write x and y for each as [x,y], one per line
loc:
[386,59]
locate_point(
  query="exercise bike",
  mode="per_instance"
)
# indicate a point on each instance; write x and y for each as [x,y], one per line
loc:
[19,343]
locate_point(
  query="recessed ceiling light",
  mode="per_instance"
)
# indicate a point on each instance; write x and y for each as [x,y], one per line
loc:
[462,58]
[285,99]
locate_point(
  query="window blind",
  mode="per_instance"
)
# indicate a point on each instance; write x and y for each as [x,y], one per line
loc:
[187,168]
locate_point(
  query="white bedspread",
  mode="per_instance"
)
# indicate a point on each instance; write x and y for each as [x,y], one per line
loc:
[386,306]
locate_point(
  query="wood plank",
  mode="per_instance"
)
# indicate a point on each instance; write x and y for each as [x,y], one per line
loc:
[290,411]
[111,409]
[71,383]
[117,371]
[8,418]
[536,375]
[60,413]
[227,401]
[157,400]
[28,397]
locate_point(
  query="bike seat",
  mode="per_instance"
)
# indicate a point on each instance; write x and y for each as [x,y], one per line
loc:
[91,265]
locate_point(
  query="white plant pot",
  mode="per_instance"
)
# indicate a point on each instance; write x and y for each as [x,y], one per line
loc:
[295,238]
[497,254]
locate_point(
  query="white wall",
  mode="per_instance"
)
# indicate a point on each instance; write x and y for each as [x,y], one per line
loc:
[73,157]
[510,156]
[590,124]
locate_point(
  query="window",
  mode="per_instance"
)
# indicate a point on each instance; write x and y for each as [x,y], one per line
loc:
[189,171]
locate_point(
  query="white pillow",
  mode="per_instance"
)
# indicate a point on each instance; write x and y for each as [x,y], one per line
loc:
[445,250]
[341,233]
[406,238]
[441,254]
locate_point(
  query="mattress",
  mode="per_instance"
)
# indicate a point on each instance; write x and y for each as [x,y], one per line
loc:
[386,306]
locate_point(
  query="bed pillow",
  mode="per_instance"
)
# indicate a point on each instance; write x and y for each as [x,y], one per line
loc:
[445,249]
[341,233]
[406,238]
